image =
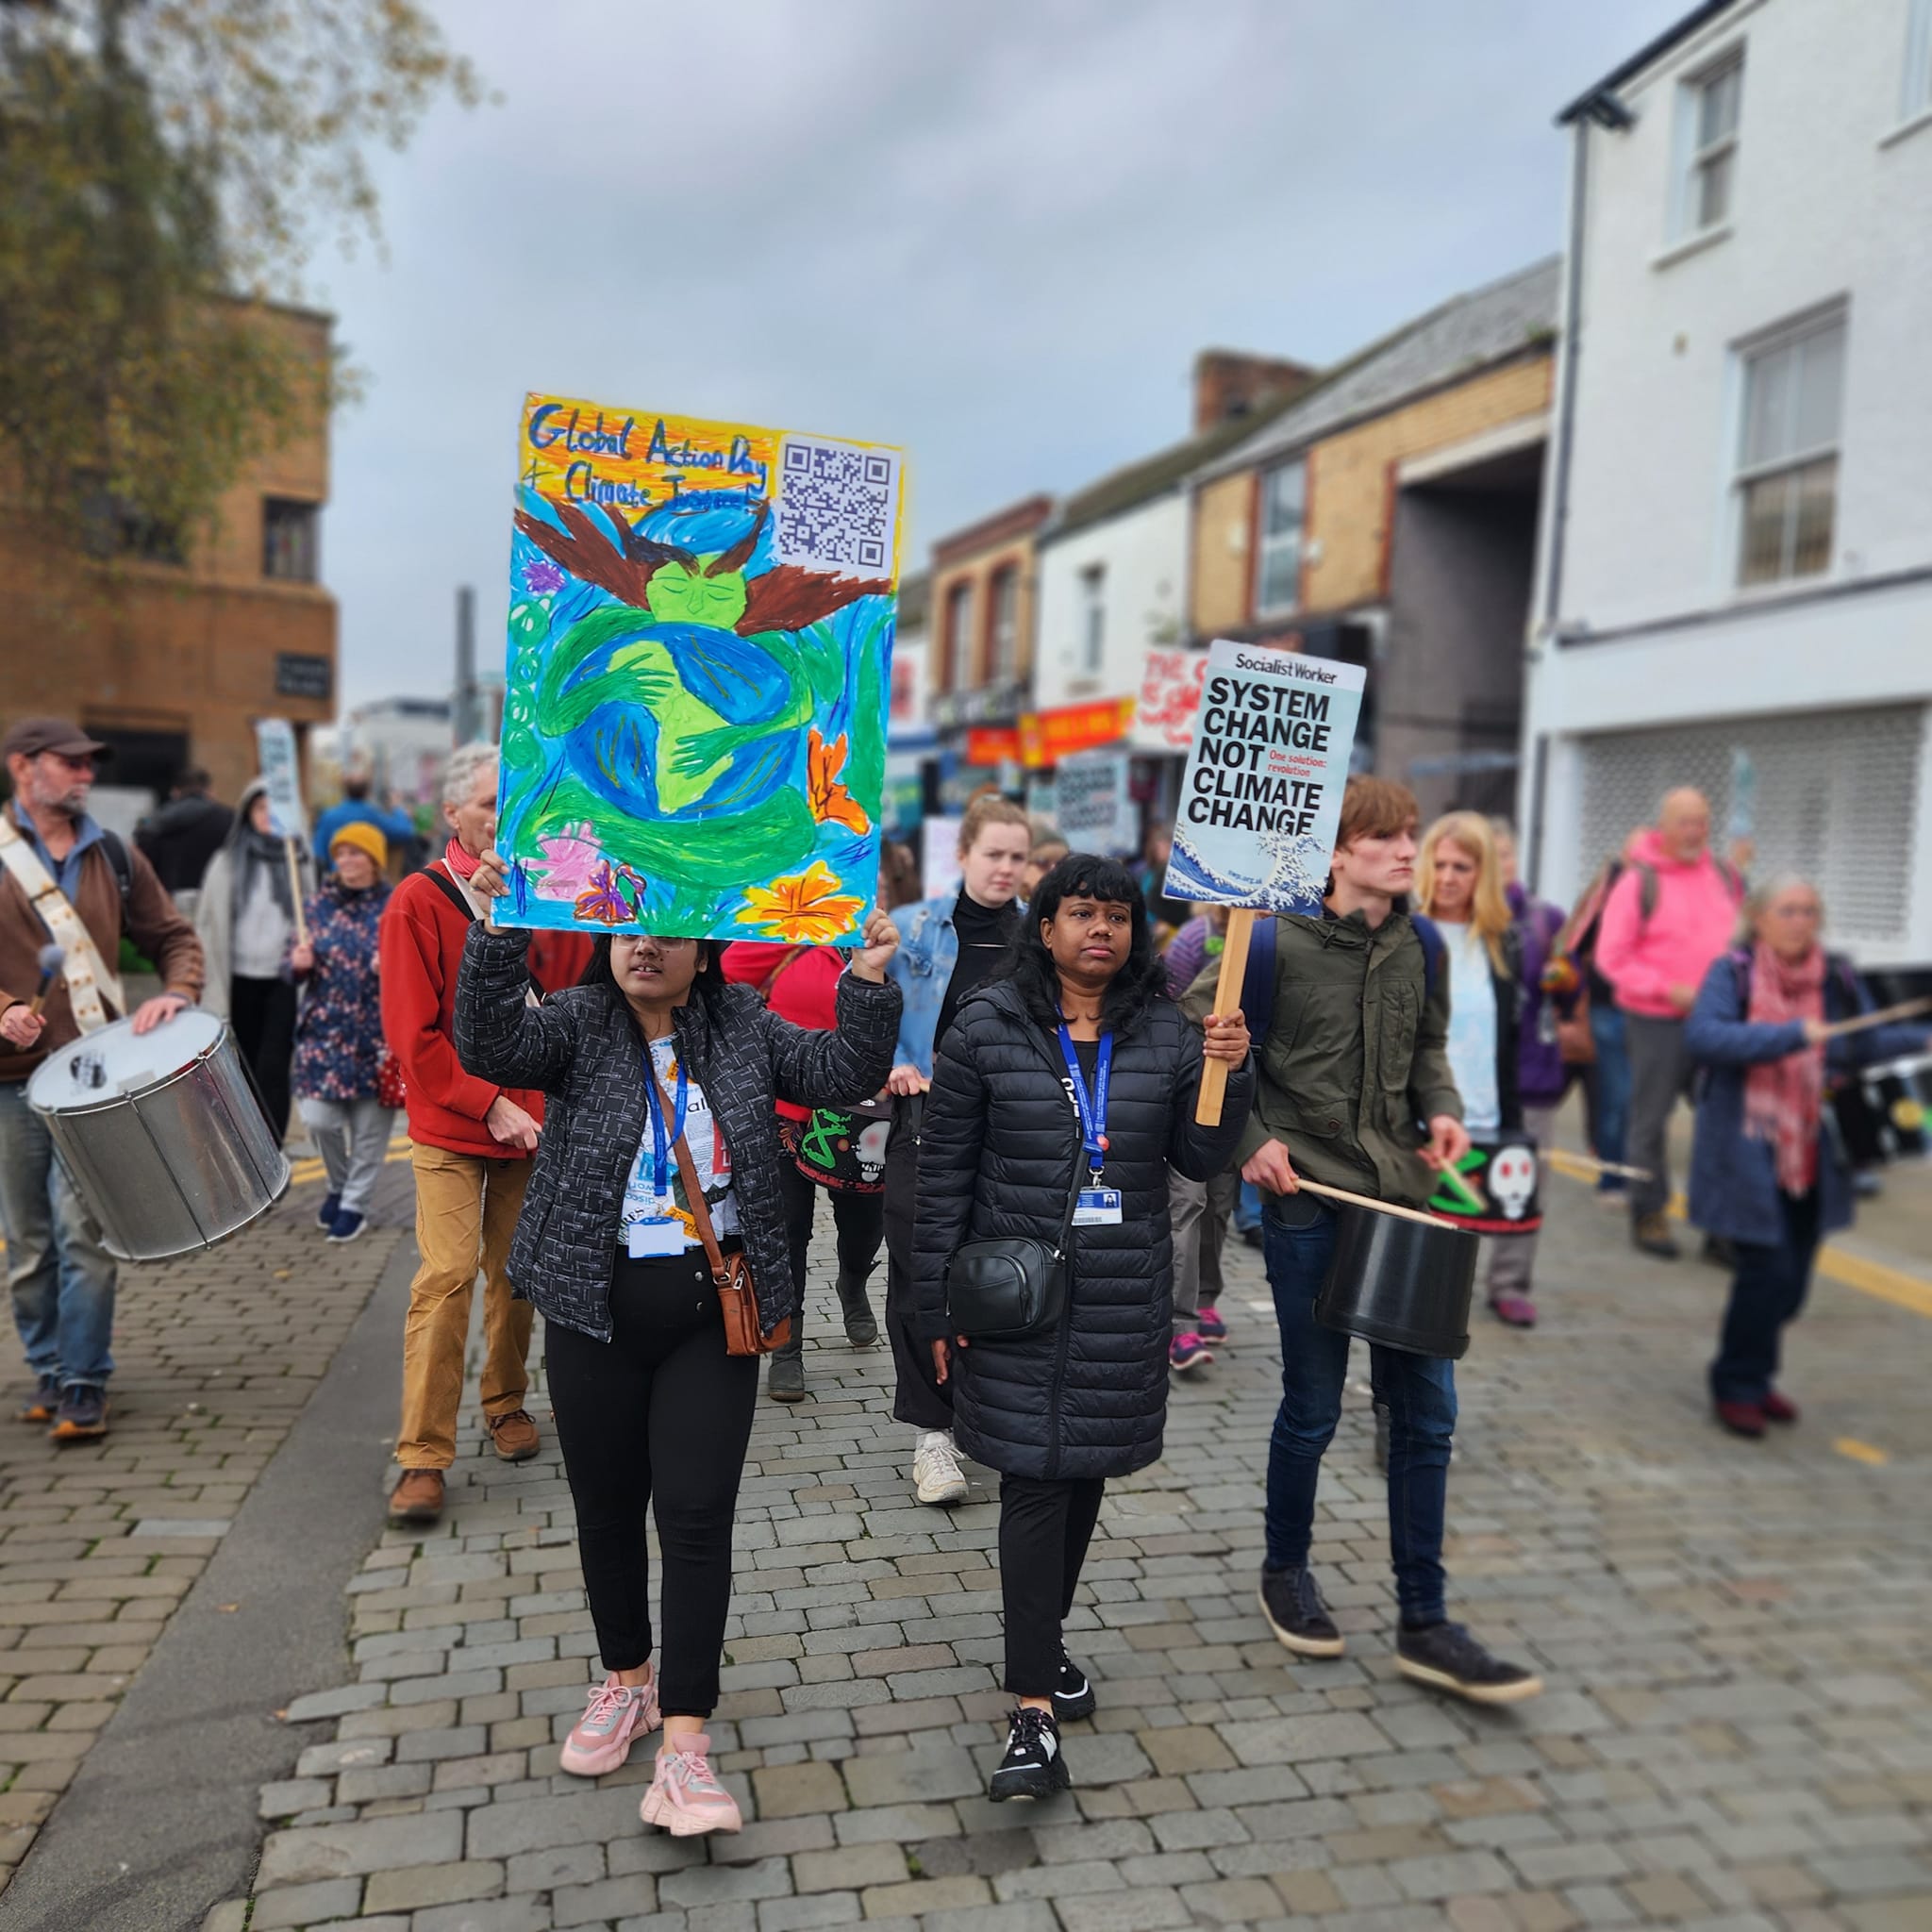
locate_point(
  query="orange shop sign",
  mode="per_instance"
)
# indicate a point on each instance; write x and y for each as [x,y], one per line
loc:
[1047,737]
[992,744]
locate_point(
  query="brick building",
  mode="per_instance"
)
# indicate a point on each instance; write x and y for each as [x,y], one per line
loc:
[170,652]
[1387,517]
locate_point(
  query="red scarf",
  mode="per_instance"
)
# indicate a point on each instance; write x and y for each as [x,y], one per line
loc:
[462,863]
[1784,1099]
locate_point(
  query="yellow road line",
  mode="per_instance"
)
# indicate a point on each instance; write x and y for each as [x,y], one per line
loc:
[1877,1278]
[1861,1451]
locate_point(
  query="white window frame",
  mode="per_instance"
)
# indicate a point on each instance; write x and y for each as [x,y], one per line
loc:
[1269,545]
[1693,156]
[1742,474]
[1003,624]
[956,615]
[1916,92]
[1093,618]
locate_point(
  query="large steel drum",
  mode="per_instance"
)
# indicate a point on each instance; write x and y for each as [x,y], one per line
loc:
[161,1134]
[1401,1283]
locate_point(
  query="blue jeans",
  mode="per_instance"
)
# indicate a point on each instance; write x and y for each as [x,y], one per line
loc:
[1417,1390]
[1767,1292]
[61,1279]
[1612,1090]
[1247,1207]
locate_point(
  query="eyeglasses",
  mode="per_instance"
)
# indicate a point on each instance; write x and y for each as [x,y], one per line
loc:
[662,940]
[85,762]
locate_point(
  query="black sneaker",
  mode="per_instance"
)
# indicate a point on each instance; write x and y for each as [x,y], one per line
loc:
[1073,1696]
[1447,1657]
[1033,1767]
[1291,1602]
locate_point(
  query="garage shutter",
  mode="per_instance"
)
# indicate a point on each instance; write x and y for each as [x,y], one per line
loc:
[1836,798]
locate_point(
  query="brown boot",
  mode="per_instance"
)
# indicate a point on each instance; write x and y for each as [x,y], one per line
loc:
[418,1498]
[1652,1233]
[515,1435]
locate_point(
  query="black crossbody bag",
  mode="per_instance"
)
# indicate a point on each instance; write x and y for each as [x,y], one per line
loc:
[1009,1289]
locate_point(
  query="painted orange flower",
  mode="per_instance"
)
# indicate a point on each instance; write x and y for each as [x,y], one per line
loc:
[831,804]
[808,907]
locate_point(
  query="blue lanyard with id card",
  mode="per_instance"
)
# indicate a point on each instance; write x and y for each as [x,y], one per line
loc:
[1097,1207]
[659,1232]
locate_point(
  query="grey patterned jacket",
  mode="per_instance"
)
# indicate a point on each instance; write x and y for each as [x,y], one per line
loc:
[582,1048]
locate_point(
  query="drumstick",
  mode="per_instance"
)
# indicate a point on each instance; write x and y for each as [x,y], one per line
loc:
[295,892]
[52,959]
[1451,1176]
[1906,1009]
[1329,1194]
[1227,999]
[1596,1166]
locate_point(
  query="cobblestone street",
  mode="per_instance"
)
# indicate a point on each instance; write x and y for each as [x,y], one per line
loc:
[1738,1730]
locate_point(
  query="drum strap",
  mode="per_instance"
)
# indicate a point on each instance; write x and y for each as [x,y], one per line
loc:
[85,971]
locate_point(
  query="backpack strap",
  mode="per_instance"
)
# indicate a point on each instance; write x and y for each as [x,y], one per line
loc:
[771,978]
[450,891]
[1429,935]
[1258,982]
[1649,889]
[116,848]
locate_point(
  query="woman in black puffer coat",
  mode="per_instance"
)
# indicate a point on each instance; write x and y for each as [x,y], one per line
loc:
[1058,1413]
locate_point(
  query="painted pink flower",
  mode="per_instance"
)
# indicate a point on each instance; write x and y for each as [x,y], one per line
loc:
[570,857]
[606,901]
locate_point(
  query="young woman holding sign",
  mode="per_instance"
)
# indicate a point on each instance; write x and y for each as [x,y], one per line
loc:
[658,1079]
[1065,1087]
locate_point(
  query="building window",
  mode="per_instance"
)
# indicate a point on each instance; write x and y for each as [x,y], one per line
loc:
[1709,141]
[1278,569]
[1003,634]
[1787,453]
[1918,79]
[960,635]
[114,526]
[1092,617]
[289,531]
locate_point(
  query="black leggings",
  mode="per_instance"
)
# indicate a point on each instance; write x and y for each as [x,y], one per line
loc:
[919,1396]
[1044,1530]
[262,1012]
[858,1219]
[657,1419]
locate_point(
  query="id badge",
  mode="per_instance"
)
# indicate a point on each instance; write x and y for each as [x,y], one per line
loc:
[645,1241]
[1098,1207]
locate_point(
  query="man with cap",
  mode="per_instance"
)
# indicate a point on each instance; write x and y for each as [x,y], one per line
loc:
[66,882]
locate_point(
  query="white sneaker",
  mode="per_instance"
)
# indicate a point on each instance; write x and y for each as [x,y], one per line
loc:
[937,1476]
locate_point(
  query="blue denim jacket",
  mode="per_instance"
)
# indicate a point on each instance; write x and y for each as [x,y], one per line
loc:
[922,968]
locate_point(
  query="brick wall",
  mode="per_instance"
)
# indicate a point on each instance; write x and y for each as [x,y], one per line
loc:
[1220,582]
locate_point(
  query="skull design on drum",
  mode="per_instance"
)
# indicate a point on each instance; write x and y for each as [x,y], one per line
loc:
[1511,1181]
[871,1151]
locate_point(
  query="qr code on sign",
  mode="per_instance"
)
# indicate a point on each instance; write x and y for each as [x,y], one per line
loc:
[838,504]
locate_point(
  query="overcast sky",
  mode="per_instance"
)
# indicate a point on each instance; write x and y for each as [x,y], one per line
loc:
[994,231]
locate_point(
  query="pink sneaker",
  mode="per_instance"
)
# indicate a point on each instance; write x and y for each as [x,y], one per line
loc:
[686,1797]
[616,1716]
[1517,1310]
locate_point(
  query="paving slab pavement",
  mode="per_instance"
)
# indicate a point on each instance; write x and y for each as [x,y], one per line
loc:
[1737,1734]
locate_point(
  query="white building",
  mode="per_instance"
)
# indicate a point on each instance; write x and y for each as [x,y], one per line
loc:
[1735,570]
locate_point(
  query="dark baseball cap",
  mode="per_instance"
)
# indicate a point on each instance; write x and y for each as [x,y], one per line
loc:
[33,736]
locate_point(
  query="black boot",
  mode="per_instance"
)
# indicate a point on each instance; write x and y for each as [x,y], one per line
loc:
[786,1382]
[861,1326]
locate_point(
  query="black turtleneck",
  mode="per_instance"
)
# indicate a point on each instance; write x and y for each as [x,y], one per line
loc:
[982,932]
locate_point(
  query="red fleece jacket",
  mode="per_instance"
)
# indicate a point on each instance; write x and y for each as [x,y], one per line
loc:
[806,992]
[422,945]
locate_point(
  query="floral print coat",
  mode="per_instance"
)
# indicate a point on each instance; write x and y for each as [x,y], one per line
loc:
[338,1030]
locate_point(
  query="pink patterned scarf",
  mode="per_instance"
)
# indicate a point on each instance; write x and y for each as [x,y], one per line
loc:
[460,862]
[1784,1099]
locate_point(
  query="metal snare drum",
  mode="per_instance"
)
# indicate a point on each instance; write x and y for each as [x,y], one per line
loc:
[161,1134]
[1899,1093]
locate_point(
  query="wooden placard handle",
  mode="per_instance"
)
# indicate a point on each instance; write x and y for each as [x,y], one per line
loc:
[1906,1009]
[1402,1213]
[1227,999]
[295,891]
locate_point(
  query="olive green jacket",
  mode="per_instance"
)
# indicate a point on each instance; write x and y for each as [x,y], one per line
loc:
[1355,1057]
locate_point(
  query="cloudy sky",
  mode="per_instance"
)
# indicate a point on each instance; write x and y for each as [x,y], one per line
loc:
[994,231]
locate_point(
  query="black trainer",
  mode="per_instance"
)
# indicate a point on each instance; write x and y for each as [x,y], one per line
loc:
[1073,1696]
[1033,1767]
[1291,1602]
[1447,1657]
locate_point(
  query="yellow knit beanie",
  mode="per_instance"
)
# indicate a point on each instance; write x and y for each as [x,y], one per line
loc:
[364,836]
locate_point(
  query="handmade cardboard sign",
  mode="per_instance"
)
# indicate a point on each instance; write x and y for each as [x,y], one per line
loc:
[274,748]
[1262,797]
[699,675]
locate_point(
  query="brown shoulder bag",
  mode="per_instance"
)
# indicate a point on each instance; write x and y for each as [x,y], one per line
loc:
[731,1273]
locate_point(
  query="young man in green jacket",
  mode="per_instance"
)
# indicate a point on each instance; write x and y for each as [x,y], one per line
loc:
[1355,1091]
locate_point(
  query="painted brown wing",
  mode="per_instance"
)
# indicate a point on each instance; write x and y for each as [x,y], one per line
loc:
[589,556]
[788,598]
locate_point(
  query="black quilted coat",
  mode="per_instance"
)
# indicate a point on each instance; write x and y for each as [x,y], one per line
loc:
[583,1049]
[996,1157]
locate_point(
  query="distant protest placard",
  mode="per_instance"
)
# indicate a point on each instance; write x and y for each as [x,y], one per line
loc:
[701,619]
[1262,797]
[1093,802]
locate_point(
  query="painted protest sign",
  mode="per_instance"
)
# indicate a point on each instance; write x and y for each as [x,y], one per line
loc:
[1170,700]
[1093,806]
[281,773]
[938,856]
[1261,795]
[699,675]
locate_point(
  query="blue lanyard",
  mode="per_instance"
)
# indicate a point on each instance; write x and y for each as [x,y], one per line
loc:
[661,1140]
[1092,1106]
